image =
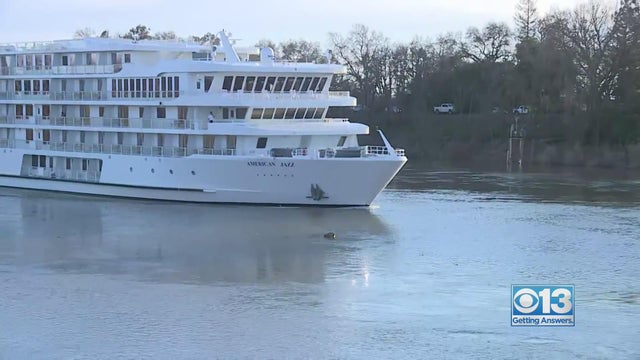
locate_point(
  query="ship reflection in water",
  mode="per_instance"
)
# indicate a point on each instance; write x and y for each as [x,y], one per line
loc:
[176,242]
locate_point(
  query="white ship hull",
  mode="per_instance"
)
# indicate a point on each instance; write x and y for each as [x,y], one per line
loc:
[251,180]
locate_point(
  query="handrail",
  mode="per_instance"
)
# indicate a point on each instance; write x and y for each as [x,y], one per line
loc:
[60,69]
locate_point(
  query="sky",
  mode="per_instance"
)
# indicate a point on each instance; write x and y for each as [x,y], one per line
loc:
[253,20]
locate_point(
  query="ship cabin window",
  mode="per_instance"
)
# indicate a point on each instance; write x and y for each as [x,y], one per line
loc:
[342,140]
[65,60]
[260,84]
[43,161]
[241,113]
[279,84]
[268,113]
[101,111]
[208,80]
[288,84]
[29,135]
[305,84]
[226,84]
[237,85]
[34,161]
[68,164]
[161,113]
[225,113]
[262,143]
[309,113]
[271,80]
[248,87]
[84,165]
[127,58]
[298,84]
[318,114]
[256,113]
[314,84]
[279,113]
[321,85]
[300,113]
[290,113]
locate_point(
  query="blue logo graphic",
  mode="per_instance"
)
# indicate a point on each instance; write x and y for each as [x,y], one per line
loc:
[542,305]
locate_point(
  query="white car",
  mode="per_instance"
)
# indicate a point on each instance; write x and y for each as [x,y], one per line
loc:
[521,110]
[446,108]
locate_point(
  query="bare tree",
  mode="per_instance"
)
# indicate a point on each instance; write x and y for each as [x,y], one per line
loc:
[165,35]
[208,38]
[489,45]
[140,32]
[84,33]
[526,19]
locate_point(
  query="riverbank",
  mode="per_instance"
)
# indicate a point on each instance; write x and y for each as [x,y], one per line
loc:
[483,140]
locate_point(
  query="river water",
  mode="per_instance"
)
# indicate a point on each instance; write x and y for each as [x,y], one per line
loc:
[426,272]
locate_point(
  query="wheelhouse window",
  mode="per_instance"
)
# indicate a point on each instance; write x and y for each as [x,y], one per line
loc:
[248,86]
[342,140]
[321,85]
[298,84]
[279,84]
[271,81]
[290,113]
[237,85]
[260,84]
[208,80]
[309,113]
[226,83]
[241,113]
[305,84]
[262,143]
[288,84]
[314,84]
[300,113]
[318,113]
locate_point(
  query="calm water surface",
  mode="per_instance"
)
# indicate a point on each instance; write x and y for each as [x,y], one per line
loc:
[424,273]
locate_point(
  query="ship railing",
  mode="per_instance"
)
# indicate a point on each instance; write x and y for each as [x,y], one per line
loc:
[60,69]
[147,94]
[300,152]
[381,150]
[136,123]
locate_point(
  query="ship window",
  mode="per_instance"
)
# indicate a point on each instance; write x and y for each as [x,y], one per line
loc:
[34,161]
[29,110]
[314,84]
[65,60]
[127,58]
[225,113]
[241,113]
[208,80]
[290,113]
[47,61]
[68,164]
[82,137]
[256,113]
[36,87]
[140,112]
[226,84]
[46,111]
[45,87]
[29,135]
[182,112]
[262,143]
[305,84]
[46,135]
[125,88]
[300,113]
[298,84]
[176,86]
[169,86]
[18,86]
[318,114]
[248,87]
[161,113]
[164,86]
[279,113]
[279,84]
[322,83]
[19,112]
[144,88]
[309,114]
[84,164]
[270,82]
[43,161]
[101,111]
[288,84]
[268,113]
[260,84]
[157,87]
[237,85]
[342,140]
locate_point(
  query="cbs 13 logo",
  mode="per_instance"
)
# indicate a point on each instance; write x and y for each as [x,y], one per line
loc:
[542,299]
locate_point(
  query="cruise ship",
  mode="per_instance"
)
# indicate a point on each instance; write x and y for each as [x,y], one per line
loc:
[174,120]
